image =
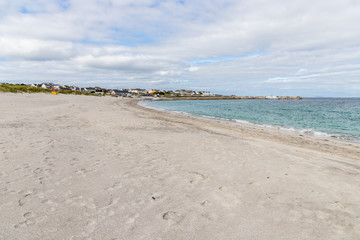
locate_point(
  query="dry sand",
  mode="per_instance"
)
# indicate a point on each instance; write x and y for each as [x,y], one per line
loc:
[81,167]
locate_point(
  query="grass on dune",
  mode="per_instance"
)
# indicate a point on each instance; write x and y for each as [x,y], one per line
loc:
[16,88]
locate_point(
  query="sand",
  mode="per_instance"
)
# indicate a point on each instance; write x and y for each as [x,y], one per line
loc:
[83,167]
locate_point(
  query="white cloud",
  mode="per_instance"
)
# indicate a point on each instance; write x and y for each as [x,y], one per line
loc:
[146,42]
[34,49]
[193,69]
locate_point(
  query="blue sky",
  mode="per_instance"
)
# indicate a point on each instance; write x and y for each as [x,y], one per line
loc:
[249,47]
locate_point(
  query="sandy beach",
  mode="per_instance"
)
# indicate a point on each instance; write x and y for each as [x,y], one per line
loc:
[84,167]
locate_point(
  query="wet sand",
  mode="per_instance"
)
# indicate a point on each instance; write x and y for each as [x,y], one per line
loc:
[83,167]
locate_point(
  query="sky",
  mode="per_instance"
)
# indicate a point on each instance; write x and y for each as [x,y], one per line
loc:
[242,47]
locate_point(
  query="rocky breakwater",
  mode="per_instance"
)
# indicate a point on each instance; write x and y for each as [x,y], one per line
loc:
[228,98]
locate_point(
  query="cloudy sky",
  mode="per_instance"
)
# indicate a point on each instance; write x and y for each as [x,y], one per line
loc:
[244,47]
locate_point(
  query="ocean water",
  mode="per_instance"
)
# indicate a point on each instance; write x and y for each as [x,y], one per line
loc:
[323,117]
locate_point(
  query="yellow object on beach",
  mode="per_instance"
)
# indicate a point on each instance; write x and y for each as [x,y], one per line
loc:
[53,91]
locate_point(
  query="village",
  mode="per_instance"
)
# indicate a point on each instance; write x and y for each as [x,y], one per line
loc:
[125,92]
[152,94]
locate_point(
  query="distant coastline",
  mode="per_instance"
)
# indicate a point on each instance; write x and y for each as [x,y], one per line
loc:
[228,98]
[154,94]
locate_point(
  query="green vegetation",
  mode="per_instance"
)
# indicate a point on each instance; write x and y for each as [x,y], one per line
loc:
[18,88]
[76,93]
[14,88]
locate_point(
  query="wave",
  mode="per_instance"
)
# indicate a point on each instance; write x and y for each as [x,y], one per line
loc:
[305,132]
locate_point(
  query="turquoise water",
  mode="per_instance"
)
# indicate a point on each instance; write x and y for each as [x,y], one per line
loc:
[332,117]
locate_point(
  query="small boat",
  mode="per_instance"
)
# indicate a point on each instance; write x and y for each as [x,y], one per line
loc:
[271,97]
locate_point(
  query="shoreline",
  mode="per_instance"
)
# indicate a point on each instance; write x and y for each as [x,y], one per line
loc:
[300,132]
[106,168]
[286,137]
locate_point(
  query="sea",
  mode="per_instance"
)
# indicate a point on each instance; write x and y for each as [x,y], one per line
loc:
[336,118]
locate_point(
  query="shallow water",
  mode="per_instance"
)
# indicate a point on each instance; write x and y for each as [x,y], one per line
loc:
[331,117]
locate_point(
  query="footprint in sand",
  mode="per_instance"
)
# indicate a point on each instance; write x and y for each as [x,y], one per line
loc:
[38,171]
[27,215]
[96,163]
[20,224]
[197,177]
[113,201]
[74,161]
[50,164]
[172,216]
[5,190]
[25,199]
[41,180]
[30,219]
